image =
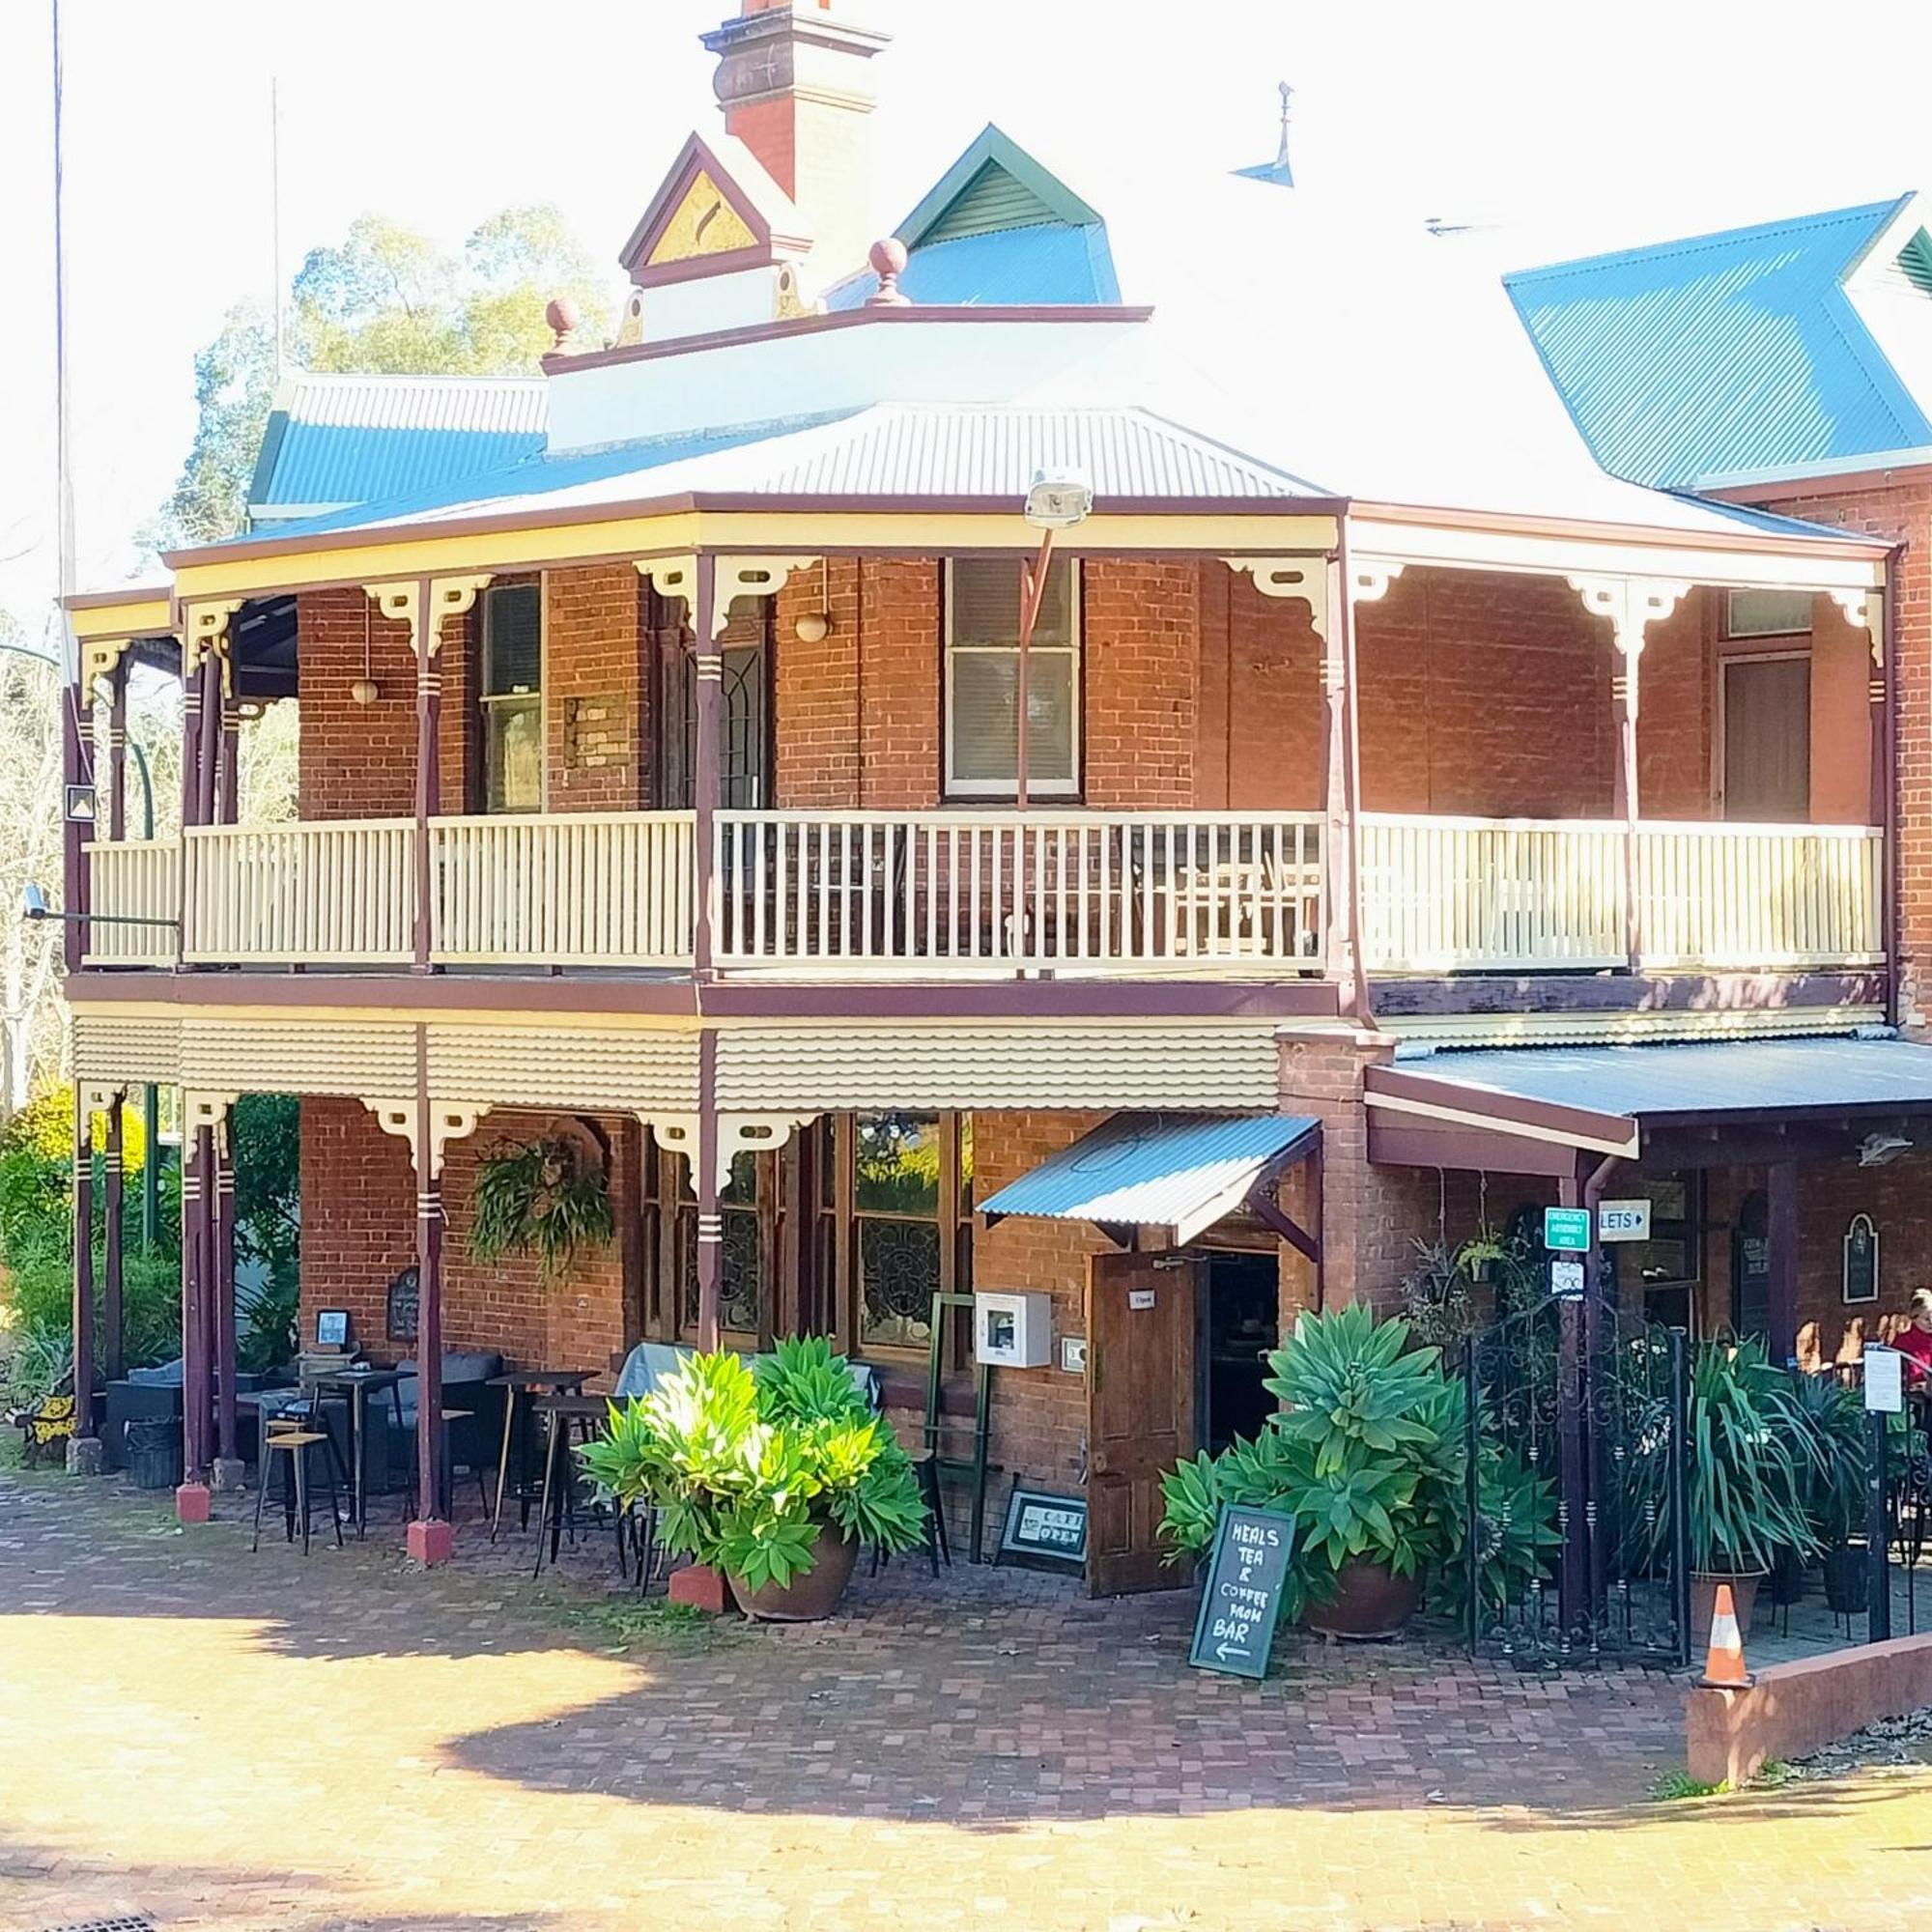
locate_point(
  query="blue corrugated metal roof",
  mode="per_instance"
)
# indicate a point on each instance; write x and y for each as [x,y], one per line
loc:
[542,474]
[1179,1170]
[911,451]
[1733,351]
[333,440]
[1051,262]
[1772,1076]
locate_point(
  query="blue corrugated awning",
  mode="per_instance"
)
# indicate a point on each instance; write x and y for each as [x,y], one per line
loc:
[1179,1170]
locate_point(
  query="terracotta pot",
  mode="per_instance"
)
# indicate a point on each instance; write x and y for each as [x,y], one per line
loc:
[1704,1602]
[1370,1602]
[809,1596]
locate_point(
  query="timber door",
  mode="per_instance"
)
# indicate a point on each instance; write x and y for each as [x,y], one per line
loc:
[1140,1413]
[1768,739]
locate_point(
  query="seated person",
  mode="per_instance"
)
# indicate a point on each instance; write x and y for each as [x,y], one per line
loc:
[1915,1341]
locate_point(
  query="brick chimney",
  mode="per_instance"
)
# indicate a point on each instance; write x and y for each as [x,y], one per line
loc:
[793,83]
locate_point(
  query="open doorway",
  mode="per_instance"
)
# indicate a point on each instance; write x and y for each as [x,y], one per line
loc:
[1239,1324]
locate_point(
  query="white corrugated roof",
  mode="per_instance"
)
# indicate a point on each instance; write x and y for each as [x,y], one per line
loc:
[487,403]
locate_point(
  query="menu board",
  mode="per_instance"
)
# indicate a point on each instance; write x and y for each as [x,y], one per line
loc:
[1240,1601]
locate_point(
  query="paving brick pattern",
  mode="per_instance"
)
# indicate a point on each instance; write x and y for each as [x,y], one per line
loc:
[211,1738]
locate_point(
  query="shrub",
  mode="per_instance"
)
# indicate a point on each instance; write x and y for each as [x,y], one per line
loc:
[1368,1454]
[746,1469]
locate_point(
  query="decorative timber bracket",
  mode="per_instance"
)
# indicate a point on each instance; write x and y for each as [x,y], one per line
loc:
[448,1120]
[737,1133]
[1632,604]
[735,576]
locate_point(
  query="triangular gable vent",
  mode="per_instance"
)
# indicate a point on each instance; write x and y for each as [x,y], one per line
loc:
[992,201]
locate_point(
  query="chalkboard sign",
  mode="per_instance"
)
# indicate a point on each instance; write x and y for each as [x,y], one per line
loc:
[1861,1271]
[405,1305]
[1240,1602]
[1049,1528]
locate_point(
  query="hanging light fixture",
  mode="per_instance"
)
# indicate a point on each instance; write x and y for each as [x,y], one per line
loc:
[365,690]
[814,627]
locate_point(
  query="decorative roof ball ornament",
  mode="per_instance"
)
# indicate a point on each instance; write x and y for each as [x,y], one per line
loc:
[560,313]
[888,256]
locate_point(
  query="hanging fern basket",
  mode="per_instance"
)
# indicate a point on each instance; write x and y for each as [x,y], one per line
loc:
[546,1197]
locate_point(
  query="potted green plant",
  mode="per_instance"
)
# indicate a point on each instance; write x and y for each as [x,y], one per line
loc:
[775,1476]
[1748,1448]
[1368,1454]
[1833,1466]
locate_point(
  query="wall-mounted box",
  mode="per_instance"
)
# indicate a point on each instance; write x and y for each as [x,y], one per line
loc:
[1012,1331]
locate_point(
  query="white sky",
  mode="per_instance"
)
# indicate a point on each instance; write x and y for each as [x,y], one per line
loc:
[1587,125]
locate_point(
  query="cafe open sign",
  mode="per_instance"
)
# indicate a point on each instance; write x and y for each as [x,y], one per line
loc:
[1240,1602]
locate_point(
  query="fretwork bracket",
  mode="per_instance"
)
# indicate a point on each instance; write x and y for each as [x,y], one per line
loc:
[737,1133]
[1865,611]
[1302,578]
[448,1120]
[749,577]
[205,629]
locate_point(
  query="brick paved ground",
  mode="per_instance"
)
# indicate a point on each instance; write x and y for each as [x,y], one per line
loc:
[213,1739]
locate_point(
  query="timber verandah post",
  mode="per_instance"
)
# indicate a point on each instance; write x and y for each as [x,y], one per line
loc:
[707,623]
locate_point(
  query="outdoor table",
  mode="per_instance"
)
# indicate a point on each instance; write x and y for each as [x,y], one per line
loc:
[559,1412]
[355,1384]
[527,1381]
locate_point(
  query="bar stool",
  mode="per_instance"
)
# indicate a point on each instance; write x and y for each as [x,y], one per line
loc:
[290,1439]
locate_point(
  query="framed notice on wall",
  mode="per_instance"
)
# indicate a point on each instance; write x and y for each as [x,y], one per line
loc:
[1860,1260]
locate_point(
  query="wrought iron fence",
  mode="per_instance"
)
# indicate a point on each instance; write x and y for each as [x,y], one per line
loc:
[1577,1412]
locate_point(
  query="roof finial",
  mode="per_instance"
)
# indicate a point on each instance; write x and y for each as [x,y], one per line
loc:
[1281,159]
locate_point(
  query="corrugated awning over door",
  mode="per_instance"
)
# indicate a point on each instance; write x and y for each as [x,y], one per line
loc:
[1179,1170]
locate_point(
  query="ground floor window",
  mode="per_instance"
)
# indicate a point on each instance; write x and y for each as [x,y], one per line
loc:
[848,1231]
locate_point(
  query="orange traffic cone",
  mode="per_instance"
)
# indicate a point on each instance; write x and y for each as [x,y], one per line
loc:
[1724,1663]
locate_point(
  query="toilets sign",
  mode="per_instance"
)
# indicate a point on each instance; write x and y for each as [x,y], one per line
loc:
[1240,1603]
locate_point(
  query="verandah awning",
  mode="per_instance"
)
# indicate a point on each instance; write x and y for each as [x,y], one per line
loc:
[1179,1170]
[1603,1098]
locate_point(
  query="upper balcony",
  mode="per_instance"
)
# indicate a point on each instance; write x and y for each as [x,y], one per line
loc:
[989,893]
[1302,769]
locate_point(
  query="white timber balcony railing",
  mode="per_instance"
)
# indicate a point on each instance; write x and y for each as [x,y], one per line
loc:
[1529,896]
[339,891]
[965,893]
[134,878]
[582,889]
[972,892]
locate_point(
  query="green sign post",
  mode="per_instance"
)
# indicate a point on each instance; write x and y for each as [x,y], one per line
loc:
[1566,1230]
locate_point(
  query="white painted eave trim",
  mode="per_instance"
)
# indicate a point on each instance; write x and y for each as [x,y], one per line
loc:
[1617,553]
[1913,457]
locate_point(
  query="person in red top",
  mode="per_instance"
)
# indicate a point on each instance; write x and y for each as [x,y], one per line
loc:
[1915,1341]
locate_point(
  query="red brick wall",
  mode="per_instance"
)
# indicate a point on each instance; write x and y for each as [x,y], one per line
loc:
[1487,694]
[1898,512]
[1141,650]
[1829,1194]
[1258,711]
[356,761]
[358,1232]
[597,736]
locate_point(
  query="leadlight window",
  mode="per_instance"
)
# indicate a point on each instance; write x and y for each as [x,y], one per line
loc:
[982,628]
[742,1277]
[511,698]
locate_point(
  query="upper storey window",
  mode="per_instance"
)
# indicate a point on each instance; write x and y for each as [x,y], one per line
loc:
[512,698]
[983,629]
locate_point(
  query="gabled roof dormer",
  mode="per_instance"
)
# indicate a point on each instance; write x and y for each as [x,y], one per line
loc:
[721,245]
[999,230]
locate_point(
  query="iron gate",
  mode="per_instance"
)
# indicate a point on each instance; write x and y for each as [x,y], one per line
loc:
[1576,1419]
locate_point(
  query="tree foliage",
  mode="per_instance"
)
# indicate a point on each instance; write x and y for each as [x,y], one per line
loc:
[383,301]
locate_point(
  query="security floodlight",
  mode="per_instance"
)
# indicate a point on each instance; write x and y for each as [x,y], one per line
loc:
[1058,499]
[33,902]
[1882,1150]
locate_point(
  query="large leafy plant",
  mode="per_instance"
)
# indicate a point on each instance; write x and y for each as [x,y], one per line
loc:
[541,1197]
[746,1467]
[1369,1454]
[1752,1452]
